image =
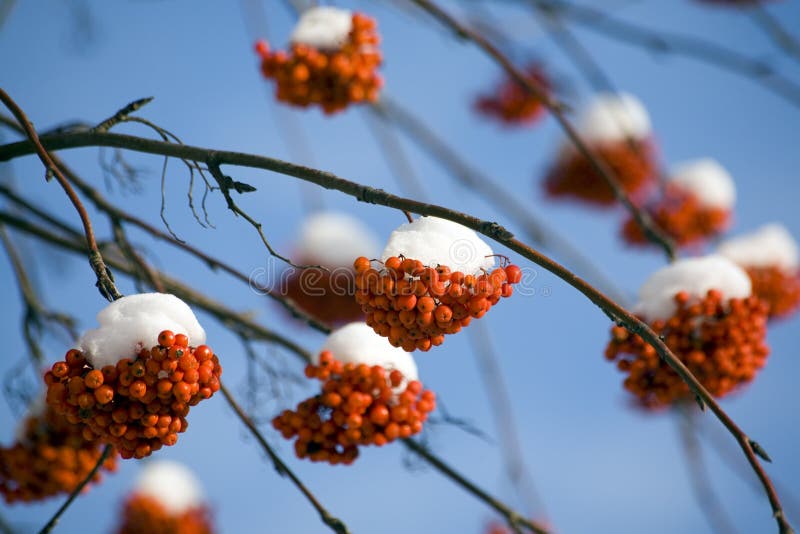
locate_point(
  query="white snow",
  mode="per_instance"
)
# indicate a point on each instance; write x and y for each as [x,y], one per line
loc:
[769,246]
[695,276]
[707,180]
[611,117]
[335,239]
[323,27]
[133,322]
[171,484]
[435,241]
[358,343]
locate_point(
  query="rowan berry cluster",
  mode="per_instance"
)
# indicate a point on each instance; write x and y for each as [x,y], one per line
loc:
[328,296]
[777,288]
[136,405]
[632,163]
[721,342]
[50,457]
[358,405]
[331,79]
[416,306]
[682,217]
[512,103]
[144,514]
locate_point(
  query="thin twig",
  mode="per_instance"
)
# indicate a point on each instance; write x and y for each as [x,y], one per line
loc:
[691,47]
[500,401]
[105,280]
[557,109]
[750,448]
[773,27]
[121,238]
[515,520]
[337,525]
[709,503]
[54,520]
[40,213]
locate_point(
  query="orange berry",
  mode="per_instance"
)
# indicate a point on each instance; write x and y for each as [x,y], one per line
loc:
[361,264]
[166,338]
[513,274]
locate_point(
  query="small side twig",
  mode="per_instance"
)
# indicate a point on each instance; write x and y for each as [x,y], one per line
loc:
[335,524]
[773,27]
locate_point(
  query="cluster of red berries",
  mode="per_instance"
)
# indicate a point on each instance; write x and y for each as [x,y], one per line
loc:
[416,306]
[512,103]
[721,342]
[136,405]
[777,288]
[142,514]
[631,162]
[332,79]
[358,405]
[682,217]
[51,457]
[328,296]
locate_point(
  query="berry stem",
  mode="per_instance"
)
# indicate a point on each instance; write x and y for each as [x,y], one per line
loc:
[54,520]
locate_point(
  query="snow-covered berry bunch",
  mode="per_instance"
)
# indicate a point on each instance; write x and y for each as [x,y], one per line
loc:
[696,204]
[166,500]
[771,258]
[618,131]
[127,393]
[332,240]
[50,456]
[435,276]
[511,103]
[707,315]
[332,62]
[370,395]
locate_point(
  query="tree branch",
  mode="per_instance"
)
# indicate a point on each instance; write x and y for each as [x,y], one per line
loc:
[491,230]
[334,523]
[105,280]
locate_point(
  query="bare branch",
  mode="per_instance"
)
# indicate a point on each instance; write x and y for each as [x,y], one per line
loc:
[491,230]
[335,524]
[105,280]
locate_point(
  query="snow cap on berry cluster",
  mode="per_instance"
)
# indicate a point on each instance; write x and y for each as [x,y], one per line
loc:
[707,180]
[611,117]
[358,343]
[324,28]
[334,239]
[435,241]
[770,246]
[131,323]
[696,276]
[171,484]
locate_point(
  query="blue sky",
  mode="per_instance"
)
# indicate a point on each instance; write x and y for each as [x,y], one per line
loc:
[599,465]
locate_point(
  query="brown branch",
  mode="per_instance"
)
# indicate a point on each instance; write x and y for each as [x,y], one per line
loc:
[335,524]
[677,44]
[557,109]
[712,508]
[514,519]
[508,203]
[15,198]
[105,280]
[121,239]
[492,230]
[51,524]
